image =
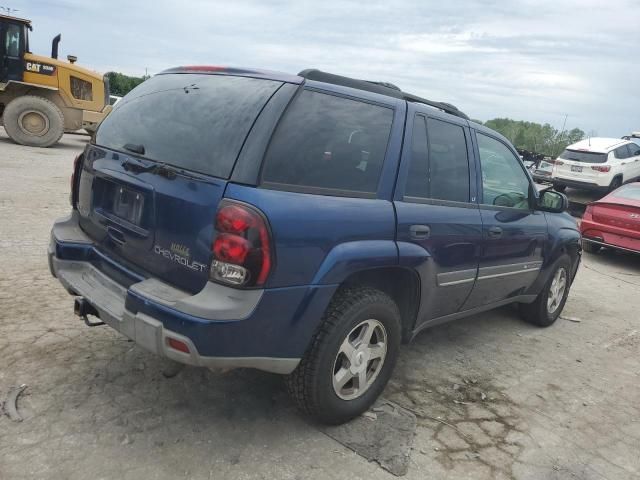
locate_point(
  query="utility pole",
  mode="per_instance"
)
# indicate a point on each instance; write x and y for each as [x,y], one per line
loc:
[564,124]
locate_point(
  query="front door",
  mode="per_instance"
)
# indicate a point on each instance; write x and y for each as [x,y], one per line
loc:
[439,227]
[11,51]
[514,234]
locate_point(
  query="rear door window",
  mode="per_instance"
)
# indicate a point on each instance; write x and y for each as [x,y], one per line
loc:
[621,152]
[634,150]
[195,122]
[439,167]
[328,142]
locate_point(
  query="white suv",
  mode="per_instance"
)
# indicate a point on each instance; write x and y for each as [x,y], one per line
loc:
[597,164]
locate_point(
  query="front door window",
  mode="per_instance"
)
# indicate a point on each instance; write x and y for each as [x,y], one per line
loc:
[504,182]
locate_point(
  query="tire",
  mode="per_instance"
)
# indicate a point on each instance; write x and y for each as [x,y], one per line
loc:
[559,188]
[311,385]
[615,183]
[539,313]
[33,121]
[590,247]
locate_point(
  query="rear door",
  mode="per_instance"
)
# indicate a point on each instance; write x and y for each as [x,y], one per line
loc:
[439,226]
[151,184]
[513,234]
[634,160]
[12,45]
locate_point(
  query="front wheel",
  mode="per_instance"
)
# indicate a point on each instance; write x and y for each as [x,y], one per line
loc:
[548,305]
[351,358]
[33,121]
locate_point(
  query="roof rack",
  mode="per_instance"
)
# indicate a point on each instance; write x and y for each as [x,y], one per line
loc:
[382,88]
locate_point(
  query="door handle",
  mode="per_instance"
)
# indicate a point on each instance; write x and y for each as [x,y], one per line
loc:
[495,232]
[419,232]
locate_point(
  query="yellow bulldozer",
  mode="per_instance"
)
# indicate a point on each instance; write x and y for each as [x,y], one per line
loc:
[43,97]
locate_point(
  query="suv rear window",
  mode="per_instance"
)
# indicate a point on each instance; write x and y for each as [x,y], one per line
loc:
[329,142]
[195,122]
[585,157]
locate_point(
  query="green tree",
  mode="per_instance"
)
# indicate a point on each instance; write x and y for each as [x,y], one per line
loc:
[535,137]
[121,84]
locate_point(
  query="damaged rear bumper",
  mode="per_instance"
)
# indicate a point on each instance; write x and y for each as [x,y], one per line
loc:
[222,327]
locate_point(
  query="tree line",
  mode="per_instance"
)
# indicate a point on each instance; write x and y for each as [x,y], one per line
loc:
[535,137]
[121,84]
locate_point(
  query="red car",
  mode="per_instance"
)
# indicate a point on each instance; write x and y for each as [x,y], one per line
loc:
[613,221]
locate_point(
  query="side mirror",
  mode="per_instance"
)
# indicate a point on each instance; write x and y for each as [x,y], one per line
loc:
[552,201]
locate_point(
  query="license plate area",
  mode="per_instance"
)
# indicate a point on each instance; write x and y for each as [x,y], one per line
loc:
[576,168]
[128,205]
[123,205]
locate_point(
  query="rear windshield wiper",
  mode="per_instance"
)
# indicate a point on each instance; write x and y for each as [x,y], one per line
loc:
[129,164]
[134,148]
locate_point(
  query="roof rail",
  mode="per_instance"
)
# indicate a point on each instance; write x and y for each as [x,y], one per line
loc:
[382,88]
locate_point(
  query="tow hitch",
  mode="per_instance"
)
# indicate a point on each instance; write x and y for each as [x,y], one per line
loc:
[82,308]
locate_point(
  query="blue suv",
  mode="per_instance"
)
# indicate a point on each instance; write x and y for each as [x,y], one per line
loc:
[305,225]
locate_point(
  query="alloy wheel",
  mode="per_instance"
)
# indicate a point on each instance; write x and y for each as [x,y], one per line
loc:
[359,359]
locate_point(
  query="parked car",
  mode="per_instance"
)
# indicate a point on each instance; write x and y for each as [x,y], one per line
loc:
[613,221]
[305,225]
[597,164]
[543,171]
[634,137]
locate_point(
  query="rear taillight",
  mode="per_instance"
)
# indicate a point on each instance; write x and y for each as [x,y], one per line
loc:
[601,168]
[588,213]
[73,195]
[242,247]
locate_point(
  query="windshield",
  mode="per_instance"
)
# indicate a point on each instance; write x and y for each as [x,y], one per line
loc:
[585,157]
[195,122]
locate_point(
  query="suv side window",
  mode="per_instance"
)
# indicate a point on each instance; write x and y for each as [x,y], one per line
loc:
[504,182]
[329,142]
[418,179]
[448,162]
[634,150]
[621,152]
[439,167]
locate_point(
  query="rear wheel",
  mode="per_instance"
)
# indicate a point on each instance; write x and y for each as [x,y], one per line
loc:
[560,188]
[351,357]
[33,121]
[615,183]
[548,306]
[590,247]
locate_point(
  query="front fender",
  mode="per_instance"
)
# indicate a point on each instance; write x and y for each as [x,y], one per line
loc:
[348,258]
[564,237]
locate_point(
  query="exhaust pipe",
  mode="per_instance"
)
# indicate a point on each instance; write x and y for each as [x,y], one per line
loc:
[54,45]
[82,308]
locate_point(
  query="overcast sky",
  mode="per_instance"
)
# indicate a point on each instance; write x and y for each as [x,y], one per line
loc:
[528,60]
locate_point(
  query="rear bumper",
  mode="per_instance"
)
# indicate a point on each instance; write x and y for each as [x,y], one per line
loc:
[610,236]
[611,245]
[223,328]
[578,184]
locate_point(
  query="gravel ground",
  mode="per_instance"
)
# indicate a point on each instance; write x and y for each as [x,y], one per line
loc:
[495,398]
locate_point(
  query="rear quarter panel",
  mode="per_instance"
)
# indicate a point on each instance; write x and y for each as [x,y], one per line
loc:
[321,239]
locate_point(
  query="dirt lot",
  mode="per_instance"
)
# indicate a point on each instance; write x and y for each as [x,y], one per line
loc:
[559,403]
